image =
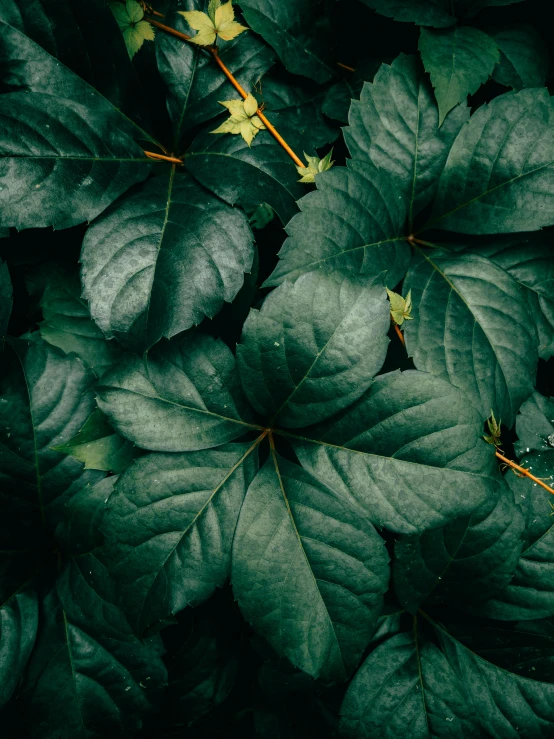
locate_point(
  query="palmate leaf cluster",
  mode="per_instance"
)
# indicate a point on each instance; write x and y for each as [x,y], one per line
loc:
[232,501]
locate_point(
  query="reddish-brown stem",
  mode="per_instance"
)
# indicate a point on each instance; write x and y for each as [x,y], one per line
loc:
[242,92]
[153,155]
[345,66]
[168,29]
[523,471]
[399,333]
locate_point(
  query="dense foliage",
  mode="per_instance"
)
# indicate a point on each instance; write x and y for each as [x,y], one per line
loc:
[263,396]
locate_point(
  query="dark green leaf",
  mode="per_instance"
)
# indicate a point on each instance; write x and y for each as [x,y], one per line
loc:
[313,348]
[353,222]
[98,447]
[308,570]
[183,396]
[497,178]
[523,57]
[338,97]
[18,628]
[44,399]
[535,427]
[67,323]
[395,126]
[248,175]
[407,682]
[472,325]
[436,13]
[459,60]
[162,258]
[468,561]
[194,82]
[170,526]
[63,163]
[299,32]
[402,450]
[5,298]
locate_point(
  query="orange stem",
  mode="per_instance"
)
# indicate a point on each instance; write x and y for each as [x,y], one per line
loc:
[523,471]
[168,29]
[242,92]
[345,66]
[399,333]
[153,155]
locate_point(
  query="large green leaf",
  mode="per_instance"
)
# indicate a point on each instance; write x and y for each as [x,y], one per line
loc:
[308,570]
[248,175]
[182,396]
[64,30]
[472,326]
[459,60]
[162,258]
[523,57]
[442,688]
[18,628]
[436,13]
[63,163]
[298,32]
[528,259]
[468,561]
[395,126]
[535,427]
[5,298]
[44,399]
[313,348]
[169,528]
[193,80]
[402,450]
[498,175]
[67,323]
[353,222]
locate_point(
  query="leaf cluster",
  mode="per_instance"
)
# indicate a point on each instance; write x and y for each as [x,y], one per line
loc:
[250,424]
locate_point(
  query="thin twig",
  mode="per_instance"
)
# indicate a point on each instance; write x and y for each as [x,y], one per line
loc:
[345,66]
[523,471]
[168,29]
[153,155]
[399,333]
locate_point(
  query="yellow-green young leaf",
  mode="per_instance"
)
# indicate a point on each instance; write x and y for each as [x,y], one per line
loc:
[243,119]
[495,431]
[225,24]
[400,308]
[315,166]
[202,23]
[218,21]
[136,31]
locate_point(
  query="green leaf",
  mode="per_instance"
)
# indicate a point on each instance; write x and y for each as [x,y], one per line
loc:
[80,682]
[195,84]
[61,37]
[135,30]
[528,259]
[472,326]
[182,396]
[497,178]
[523,57]
[394,125]
[18,628]
[248,175]
[67,323]
[63,163]
[459,60]
[297,31]
[530,593]
[138,259]
[313,348]
[436,13]
[468,561]
[308,570]
[352,223]
[338,97]
[297,104]
[5,298]
[535,427]
[402,450]
[98,447]
[45,398]
[170,526]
